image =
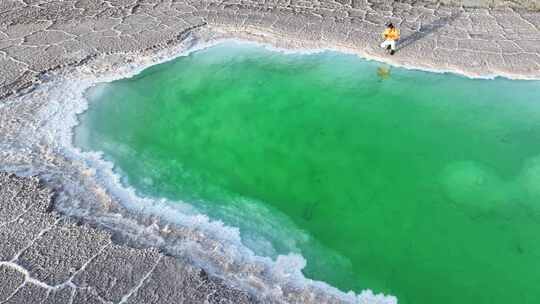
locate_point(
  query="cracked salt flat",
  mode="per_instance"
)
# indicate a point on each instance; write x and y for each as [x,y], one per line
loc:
[82,290]
[70,32]
[100,27]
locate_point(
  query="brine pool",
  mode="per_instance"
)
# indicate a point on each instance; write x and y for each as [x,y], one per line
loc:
[421,185]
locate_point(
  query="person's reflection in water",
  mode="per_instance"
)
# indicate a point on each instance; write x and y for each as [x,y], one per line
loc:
[383,72]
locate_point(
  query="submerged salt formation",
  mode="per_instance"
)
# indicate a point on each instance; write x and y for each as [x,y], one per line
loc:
[67,46]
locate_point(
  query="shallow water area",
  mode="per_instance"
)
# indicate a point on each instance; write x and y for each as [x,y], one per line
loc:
[421,185]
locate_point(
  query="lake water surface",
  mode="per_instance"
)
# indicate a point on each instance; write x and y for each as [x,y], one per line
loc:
[421,185]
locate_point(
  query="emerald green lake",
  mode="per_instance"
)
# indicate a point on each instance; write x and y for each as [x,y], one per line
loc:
[421,185]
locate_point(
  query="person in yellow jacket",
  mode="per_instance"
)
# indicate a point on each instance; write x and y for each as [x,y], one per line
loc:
[391,36]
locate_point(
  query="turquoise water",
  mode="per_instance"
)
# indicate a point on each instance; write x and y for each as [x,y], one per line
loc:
[421,185]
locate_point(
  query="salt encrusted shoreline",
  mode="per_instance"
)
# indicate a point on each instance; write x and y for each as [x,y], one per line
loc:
[58,260]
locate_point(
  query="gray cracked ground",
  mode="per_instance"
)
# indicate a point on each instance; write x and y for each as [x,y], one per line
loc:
[46,257]
[38,36]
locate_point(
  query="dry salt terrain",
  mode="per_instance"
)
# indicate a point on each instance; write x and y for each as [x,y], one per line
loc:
[65,237]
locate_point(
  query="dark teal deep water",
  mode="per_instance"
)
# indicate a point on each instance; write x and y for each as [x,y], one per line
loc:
[425,186]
